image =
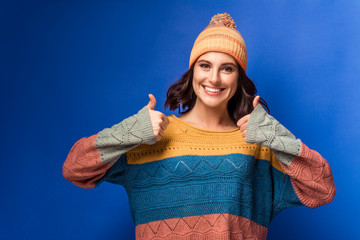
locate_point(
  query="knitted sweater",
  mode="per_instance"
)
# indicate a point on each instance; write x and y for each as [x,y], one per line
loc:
[201,184]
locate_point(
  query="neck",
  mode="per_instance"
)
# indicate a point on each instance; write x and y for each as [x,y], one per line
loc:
[209,118]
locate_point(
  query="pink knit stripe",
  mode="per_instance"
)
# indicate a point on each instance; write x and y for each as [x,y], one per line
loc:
[311,177]
[83,166]
[209,227]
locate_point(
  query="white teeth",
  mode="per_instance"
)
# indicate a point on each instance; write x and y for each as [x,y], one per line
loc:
[212,90]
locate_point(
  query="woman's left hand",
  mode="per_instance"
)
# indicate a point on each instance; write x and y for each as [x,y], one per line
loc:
[242,123]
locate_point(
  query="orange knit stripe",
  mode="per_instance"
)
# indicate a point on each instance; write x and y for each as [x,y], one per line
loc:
[221,31]
[233,41]
[311,178]
[210,227]
[83,163]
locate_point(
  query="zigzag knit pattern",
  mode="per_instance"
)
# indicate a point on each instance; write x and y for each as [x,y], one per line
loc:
[120,138]
[223,188]
[213,226]
[312,178]
[263,129]
[201,184]
[181,169]
[90,158]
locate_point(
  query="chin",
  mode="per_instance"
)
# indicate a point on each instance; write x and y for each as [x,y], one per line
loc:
[214,104]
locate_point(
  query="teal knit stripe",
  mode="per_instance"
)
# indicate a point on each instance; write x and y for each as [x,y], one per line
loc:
[197,185]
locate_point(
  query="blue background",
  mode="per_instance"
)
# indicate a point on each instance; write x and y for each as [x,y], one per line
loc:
[71,68]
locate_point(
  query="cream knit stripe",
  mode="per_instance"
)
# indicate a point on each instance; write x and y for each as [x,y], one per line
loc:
[265,130]
[120,138]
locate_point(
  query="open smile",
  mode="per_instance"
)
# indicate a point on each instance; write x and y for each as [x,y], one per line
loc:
[212,90]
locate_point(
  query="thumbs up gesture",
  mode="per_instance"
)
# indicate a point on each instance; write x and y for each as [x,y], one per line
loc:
[242,123]
[158,120]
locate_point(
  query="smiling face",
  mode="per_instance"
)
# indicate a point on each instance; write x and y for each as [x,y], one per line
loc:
[215,80]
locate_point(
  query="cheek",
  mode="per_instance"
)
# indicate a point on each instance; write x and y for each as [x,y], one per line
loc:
[232,93]
[196,85]
[234,86]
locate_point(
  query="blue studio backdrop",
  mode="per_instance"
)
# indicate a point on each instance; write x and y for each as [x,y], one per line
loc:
[69,69]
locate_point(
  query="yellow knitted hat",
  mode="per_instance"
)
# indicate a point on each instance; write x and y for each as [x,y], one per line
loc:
[220,36]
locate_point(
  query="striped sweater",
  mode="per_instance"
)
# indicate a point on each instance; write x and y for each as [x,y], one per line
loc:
[201,184]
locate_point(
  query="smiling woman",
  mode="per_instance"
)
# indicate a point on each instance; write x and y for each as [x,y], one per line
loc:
[214,83]
[222,170]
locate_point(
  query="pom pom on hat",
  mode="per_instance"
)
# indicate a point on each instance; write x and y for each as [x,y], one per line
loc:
[220,36]
[223,18]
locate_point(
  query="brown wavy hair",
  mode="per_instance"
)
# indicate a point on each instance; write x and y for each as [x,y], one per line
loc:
[181,95]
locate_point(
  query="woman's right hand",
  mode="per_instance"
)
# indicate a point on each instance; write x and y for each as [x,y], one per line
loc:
[159,121]
[242,123]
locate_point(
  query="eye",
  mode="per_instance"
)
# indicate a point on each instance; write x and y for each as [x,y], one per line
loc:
[204,65]
[228,69]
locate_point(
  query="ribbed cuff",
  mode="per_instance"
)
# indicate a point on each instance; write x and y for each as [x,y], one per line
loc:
[146,126]
[253,124]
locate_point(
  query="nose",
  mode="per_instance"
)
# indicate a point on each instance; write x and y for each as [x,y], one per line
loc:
[214,77]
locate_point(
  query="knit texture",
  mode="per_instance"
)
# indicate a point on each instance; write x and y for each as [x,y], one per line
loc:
[209,227]
[265,130]
[314,185]
[220,36]
[90,158]
[120,138]
[200,184]
[193,175]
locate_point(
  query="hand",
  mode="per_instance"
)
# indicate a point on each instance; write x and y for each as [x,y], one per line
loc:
[242,123]
[158,120]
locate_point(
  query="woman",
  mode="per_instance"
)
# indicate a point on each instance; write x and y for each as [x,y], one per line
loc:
[222,170]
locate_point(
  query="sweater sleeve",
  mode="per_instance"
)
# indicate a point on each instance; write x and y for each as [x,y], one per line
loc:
[310,174]
[91,157]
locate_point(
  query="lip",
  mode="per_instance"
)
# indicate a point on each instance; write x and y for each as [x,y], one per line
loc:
[212,93]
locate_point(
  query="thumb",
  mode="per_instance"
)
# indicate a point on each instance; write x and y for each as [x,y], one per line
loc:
[152,102]
[256,101]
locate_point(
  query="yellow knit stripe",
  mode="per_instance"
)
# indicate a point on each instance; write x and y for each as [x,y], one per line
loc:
[181,139]
[145,153]
[221,44]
